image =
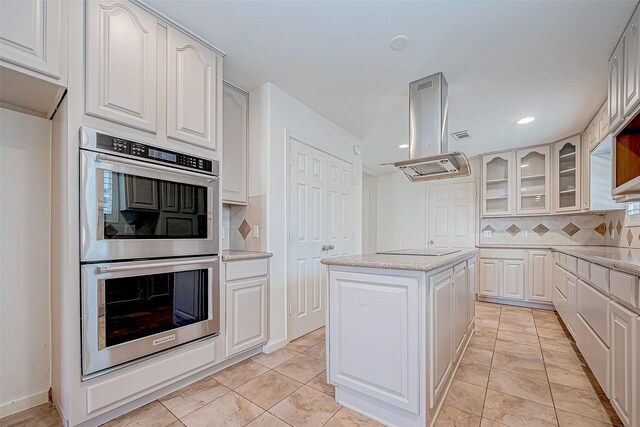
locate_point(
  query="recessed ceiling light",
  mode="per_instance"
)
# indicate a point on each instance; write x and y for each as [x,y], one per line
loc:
[525,120]
[403,146]
[399,42]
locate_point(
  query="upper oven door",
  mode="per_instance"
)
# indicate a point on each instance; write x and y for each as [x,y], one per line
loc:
[131,209]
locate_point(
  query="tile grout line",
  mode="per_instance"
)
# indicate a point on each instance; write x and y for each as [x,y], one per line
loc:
[546,372]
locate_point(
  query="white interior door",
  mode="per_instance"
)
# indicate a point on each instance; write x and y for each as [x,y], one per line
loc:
[320,212]
[452,215]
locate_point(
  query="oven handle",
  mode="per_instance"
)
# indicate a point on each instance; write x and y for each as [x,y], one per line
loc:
[103,157]
[103,270]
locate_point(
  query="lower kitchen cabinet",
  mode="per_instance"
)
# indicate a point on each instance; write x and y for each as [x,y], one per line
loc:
[246,298]
[623,356]
[472,286]
[520,276]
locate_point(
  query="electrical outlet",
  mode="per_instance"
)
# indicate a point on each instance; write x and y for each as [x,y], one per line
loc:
[525,233]
[487,233]
[256,231]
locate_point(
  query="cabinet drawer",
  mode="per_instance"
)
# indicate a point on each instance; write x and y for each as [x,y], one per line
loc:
[600,277]
[594,309]
[584,270]
[502,253]
[624,287]
[594,351]
[562,260]
[238,270]
[572,264]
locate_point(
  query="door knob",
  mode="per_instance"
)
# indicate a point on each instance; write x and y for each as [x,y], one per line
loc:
[325,248]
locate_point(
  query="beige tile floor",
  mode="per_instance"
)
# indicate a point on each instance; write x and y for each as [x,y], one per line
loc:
[520,369]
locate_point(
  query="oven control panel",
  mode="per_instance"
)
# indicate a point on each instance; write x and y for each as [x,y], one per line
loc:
[137,149]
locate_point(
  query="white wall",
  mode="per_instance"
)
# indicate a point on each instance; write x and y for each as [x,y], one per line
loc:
[402,208]
[272,114]
[25,274]
[369,213]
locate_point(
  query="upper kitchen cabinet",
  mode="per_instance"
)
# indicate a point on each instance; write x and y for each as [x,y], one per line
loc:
[121,64]
[603,123]
[567,168]
[33,54]
[235,105]
[615,109]
[533,183]
[193,83]
[631,66]
[497,183]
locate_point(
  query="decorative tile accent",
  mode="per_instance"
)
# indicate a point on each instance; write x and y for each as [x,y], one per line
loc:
[489,228]
[540,229]
[513,230]
[629,237]
[244,229]
[571,229]
[619,228]
[601,229]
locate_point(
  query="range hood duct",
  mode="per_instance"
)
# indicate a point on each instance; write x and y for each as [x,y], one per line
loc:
[429,157]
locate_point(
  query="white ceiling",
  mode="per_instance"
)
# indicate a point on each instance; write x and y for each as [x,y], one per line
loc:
[502,59]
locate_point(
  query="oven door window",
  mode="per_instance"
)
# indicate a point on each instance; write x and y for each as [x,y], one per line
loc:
[141,306]
[138,207]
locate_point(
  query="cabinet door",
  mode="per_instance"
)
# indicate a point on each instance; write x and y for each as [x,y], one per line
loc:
[539,281]
[603,124]
[497,184]
[443,326]
[193,87]
[631,73]
[533,183]
[568,170]
[30,35]
[622,336]
[140,193]
[471,291]
[616,115]
[490,277]
[571,305]
[460,278]
[246,320]
[121,64]
[513,279]
[586,173]
[235,104]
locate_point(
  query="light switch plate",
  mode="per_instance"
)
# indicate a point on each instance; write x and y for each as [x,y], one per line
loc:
[256,231]
[487,233]
[525,233]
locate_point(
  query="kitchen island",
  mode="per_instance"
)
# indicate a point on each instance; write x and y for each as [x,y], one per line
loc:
[397,326]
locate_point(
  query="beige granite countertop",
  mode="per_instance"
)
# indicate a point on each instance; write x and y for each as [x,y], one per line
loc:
[399,262]
[624,259]
[231,255]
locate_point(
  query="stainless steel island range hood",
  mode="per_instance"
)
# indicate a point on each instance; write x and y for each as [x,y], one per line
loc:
[428,148]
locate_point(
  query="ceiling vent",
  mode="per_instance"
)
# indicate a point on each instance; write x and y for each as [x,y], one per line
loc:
[461,135]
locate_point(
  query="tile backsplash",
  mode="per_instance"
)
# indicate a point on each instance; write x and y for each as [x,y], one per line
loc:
[618,234]
[545,230]
[239,222]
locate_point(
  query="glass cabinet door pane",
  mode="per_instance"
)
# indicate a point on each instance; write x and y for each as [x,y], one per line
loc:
[567,176]
[497,185]
[533,182]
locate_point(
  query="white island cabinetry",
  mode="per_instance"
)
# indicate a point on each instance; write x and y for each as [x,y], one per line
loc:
[413,321]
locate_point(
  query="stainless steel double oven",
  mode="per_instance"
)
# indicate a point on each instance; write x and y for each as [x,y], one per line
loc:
[149,224]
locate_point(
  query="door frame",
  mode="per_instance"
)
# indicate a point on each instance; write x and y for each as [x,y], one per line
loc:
[292,136]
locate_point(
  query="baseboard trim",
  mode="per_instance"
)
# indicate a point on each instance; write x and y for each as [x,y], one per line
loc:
[26,402]
[528,304]
[272,346]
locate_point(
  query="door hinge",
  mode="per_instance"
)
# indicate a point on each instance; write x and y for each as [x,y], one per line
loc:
[290,310]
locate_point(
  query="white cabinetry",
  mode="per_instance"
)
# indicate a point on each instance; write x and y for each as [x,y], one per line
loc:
[614,106]
[460,284]
[121,64]
[533,180]
[497,184]
[490,277]
[33,53]
[472,286]
[246,296]
[568,170]
[603,123]
[442,291]
[513,279]
[623,356]
[631,66]
[539,276]
[192,91]
[235,105]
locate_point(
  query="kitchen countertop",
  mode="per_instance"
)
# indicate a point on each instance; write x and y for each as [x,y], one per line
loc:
[399,262]
[231,255]
[624,259]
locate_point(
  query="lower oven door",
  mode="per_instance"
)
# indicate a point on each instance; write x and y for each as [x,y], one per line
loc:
[134,309]
[131,209]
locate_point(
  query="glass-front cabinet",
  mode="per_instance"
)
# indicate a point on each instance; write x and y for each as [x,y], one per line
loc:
[533,181]
[497,181]
[567,168]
